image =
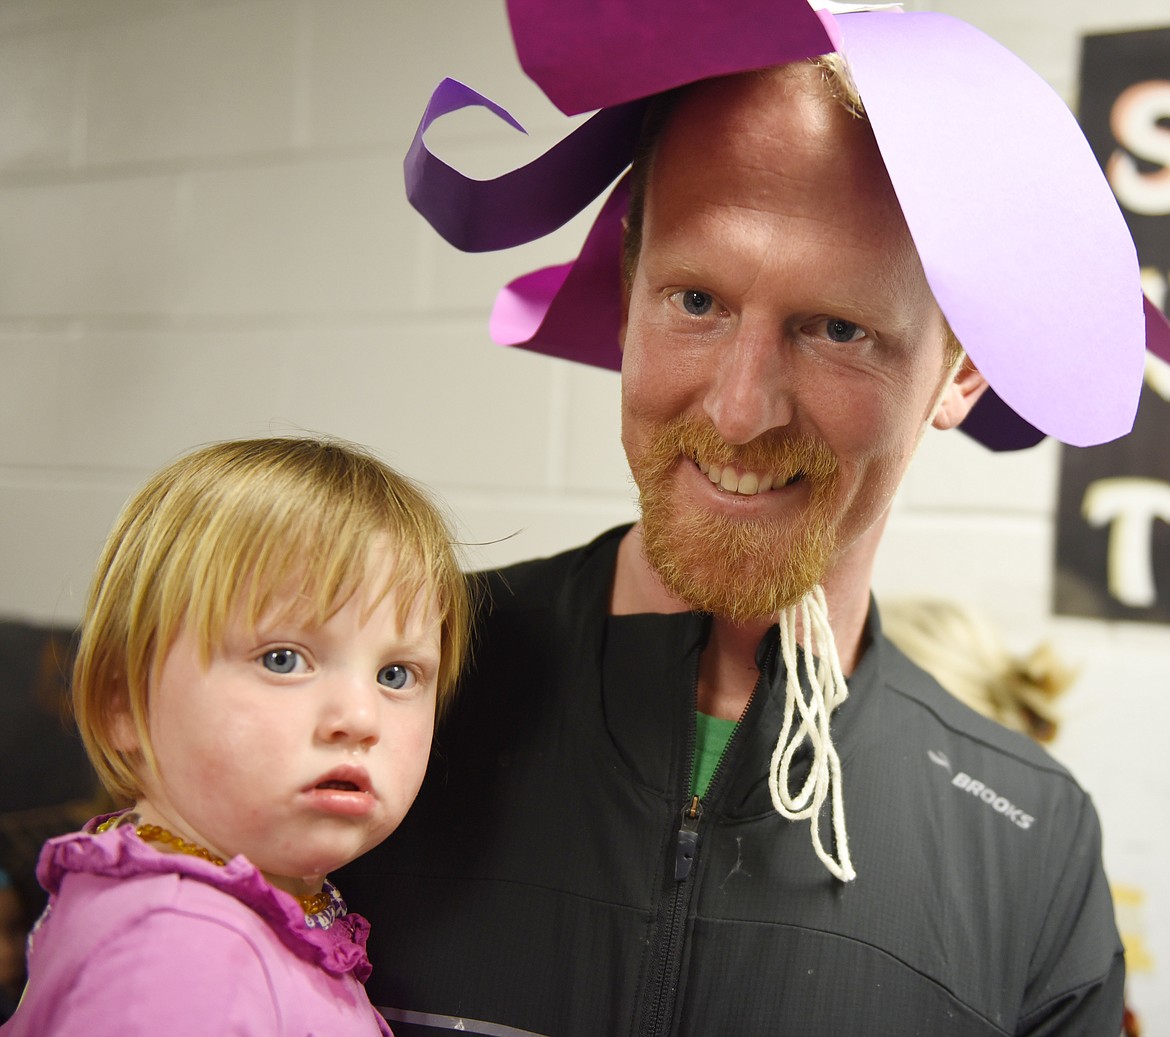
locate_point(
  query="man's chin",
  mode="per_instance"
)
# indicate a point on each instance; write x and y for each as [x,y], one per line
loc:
[734,576]
[740,604]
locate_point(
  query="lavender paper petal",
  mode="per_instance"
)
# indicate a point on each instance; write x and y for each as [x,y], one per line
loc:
[581,318]
[529,202]
[994,424]
[589,54]
[1021,239]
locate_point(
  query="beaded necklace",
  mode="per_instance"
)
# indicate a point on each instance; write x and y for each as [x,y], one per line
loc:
[321,909]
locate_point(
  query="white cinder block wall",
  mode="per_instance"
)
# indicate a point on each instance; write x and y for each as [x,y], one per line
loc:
[203,234]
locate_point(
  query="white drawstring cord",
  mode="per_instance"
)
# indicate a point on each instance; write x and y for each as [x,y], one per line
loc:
[827,690]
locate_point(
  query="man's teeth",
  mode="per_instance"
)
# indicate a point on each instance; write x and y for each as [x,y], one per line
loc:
[747,484]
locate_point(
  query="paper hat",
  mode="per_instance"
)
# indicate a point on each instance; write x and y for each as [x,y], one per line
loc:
[1020,237]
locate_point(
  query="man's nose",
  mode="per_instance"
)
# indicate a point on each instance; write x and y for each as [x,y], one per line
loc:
[750,391]
[350,711]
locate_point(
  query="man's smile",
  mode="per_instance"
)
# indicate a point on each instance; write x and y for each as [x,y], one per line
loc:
[746,483]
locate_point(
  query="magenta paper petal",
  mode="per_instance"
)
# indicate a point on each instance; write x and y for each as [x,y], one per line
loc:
[589,54]
[1022,242]
[572,311]
[529,202]
[521,305]
[1157,331]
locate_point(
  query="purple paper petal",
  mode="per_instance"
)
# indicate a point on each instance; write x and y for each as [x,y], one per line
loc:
[1022,242]
[589,54]
[529,202]
[994,424]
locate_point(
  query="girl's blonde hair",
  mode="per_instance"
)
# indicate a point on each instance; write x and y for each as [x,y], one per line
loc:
[235,530]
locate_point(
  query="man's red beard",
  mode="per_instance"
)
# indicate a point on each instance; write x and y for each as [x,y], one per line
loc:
[742,569]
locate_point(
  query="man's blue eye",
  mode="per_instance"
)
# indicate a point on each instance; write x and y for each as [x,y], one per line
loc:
[840,330]
[697,304]
[281,660]
[395,676]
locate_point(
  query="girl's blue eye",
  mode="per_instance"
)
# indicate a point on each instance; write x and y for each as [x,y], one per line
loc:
[281,660]
[396,676]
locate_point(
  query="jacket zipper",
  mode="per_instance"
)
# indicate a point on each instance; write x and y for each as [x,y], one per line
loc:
[661,1007]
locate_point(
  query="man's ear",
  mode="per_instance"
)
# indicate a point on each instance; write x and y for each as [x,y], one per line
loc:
[960,396]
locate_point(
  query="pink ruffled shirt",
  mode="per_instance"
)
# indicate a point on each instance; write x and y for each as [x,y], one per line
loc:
[136,942]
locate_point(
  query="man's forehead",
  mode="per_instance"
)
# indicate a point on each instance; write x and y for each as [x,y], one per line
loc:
[749,101]
[747,187]
[786,125]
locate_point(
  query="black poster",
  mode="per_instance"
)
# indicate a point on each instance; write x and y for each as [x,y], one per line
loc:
[1113,520]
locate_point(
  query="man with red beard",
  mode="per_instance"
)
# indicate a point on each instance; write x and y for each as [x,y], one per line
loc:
[688,786]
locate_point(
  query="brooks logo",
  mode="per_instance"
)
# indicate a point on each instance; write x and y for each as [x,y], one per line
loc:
[1000,804]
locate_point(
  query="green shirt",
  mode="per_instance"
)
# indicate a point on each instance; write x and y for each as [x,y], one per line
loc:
[711,737]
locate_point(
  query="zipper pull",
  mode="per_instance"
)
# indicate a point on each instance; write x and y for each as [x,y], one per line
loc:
[688,839]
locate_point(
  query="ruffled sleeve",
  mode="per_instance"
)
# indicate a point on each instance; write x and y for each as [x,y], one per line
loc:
[119,853]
